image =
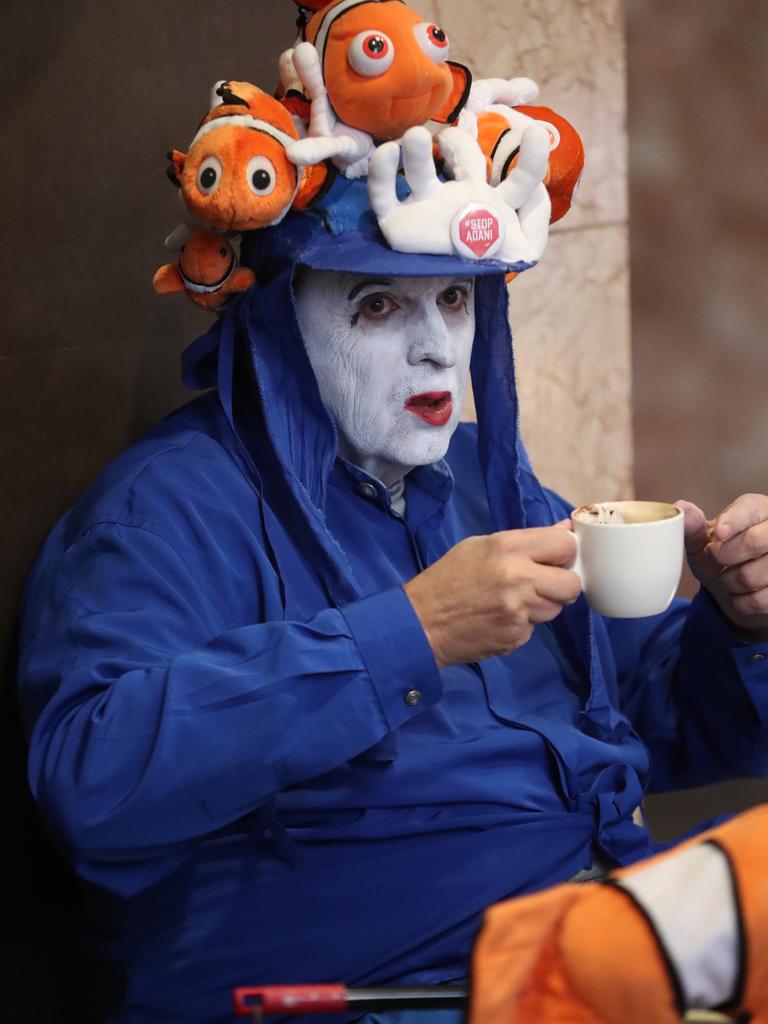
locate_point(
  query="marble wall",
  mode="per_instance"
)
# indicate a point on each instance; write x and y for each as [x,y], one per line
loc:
[569,315]
[698,145]
[690,402]
[699,211]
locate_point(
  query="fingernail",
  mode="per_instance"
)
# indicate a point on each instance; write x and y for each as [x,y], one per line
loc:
[723,530]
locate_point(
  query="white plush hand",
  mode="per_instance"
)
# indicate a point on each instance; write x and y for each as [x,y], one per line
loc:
[467,215]
[329,138]
[286,72]
[484,92]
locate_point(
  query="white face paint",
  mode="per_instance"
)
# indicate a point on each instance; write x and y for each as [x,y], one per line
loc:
[391,357]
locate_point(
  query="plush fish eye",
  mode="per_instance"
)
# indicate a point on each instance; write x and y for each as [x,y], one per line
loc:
[433,41]
[261,175]
[371,53]
[209,175]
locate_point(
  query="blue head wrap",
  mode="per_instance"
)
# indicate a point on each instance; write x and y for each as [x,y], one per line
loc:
[256,357]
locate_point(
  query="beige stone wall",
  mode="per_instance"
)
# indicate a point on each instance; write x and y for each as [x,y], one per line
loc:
[570,315]
[699,214]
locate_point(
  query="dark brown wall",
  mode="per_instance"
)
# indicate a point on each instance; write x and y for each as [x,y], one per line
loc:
[92,95]
[697,115]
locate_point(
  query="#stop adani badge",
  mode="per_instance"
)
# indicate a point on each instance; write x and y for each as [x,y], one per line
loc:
[477,231]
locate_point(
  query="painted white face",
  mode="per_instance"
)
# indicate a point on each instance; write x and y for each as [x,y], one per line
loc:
[391,357]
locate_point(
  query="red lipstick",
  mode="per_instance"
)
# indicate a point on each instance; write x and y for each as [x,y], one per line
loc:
[433,407]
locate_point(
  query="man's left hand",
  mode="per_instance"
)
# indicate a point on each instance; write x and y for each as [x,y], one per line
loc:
[729,557]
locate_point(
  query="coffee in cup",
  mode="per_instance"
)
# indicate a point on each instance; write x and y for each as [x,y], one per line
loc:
[629,556]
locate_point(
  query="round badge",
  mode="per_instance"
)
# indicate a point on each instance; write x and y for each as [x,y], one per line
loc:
[477,231]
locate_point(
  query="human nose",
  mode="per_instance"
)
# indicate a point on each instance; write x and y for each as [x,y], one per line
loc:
[431,341]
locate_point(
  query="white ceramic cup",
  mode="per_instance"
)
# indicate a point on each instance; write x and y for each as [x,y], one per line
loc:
[629,556]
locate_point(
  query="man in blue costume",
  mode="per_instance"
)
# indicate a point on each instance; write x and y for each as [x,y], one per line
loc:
[307,680]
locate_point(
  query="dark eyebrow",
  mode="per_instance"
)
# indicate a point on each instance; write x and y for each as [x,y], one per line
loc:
[364,284]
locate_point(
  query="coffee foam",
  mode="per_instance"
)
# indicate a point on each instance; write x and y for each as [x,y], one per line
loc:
[620,513]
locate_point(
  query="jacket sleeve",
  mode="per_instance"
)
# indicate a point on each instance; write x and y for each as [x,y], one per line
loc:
[151,724]
[695,692]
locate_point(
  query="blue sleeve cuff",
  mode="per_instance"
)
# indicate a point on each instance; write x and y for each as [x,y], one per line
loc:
[396,653]
[750,660]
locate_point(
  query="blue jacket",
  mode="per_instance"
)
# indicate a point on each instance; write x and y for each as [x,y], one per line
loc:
[216,653]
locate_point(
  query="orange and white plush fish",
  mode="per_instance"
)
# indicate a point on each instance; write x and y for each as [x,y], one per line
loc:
[374,68]
[385,67]
[237,174]
[207,271]
[499,132]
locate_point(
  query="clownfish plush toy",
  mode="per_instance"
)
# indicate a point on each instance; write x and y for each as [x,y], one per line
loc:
[652,943]
[207,271]
[499,132]
[385,67]
[237,174]
[376,68]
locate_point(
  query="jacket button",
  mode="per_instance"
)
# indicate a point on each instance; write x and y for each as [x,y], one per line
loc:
[757,657]
[366,490]
[412,698]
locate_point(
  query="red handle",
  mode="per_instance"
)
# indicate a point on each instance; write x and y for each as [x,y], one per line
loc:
[290,999]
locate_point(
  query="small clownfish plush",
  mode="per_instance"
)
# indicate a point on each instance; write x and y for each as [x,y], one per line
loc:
[237,175]
[207,271]
[499,131]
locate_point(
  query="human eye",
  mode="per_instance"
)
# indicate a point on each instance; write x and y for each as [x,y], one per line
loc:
[377,306]
[454,297]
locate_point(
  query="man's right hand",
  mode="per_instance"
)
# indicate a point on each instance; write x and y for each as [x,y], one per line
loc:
[484,596]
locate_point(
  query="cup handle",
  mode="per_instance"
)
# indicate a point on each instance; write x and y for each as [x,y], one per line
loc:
[576,566]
